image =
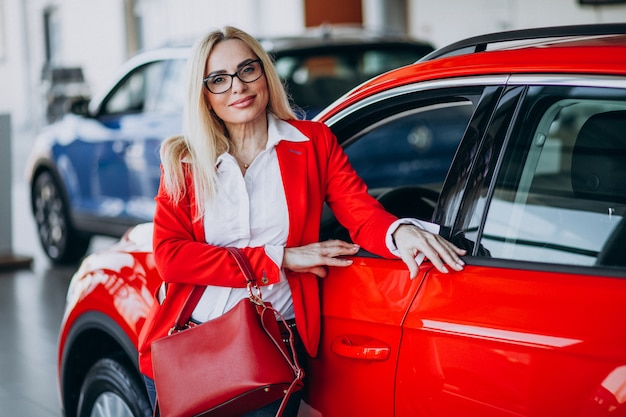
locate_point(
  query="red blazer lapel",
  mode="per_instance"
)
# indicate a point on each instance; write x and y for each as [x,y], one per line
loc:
[292,157]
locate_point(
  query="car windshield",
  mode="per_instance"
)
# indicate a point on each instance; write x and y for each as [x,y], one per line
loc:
[314,80]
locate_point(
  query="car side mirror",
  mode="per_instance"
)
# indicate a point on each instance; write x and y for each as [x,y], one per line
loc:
[79,106]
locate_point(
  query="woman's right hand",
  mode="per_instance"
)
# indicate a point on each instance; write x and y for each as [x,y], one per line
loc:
[314,257]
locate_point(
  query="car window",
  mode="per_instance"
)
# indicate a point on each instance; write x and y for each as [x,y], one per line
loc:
[413,147]
[560,196]
[402,148]
[314,82]
[316,79]
[137,90]
[169,95]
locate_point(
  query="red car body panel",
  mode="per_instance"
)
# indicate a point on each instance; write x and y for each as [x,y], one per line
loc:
[371,297]
[119,283]
[504,342]
[483,342]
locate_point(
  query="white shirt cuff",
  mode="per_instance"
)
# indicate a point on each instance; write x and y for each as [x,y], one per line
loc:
[275,253]
[391,245]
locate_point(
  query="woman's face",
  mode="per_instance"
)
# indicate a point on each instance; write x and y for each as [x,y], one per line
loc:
[244,102]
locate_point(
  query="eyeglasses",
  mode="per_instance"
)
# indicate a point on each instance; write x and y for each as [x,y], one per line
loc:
[221,83]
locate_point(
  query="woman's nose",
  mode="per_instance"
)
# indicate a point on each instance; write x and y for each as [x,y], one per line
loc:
[238,85]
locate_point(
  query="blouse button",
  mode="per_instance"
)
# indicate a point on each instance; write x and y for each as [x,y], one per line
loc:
[265,280]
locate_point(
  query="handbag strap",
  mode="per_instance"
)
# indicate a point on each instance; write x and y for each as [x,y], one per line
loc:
[194,296]
[244,264]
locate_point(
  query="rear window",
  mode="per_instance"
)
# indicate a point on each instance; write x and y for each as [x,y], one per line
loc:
[316,79]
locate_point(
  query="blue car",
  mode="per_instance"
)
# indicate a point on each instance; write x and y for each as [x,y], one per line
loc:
[96,171]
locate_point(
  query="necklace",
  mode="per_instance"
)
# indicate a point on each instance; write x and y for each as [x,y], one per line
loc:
[240,162]
[246,165]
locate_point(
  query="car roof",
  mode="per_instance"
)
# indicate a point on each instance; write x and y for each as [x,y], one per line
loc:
[332,36]
[521,37]
[326,36]
[599,54]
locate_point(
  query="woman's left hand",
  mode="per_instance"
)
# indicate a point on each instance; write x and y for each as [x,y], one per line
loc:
[315,257]
[411,240]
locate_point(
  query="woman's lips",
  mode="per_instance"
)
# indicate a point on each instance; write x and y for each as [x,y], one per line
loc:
[243,102]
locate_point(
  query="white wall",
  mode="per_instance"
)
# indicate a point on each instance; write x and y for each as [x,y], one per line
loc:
[170,21]
[93,32]
[92,36]
[14,78]
[95,39]
[446,21]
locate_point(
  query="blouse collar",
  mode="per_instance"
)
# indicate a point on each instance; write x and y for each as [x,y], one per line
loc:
[277,131]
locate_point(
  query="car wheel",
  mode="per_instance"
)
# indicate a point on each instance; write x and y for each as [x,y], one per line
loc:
[111,390]
[60,242]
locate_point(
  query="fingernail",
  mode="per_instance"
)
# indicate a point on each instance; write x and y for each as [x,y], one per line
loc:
[444,270]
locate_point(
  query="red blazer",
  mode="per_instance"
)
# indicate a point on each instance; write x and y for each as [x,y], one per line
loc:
[313,172]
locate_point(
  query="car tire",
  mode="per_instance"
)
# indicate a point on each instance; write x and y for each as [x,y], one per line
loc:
[111,390]
[61,243]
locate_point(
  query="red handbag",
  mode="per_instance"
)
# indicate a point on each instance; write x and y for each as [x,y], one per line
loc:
[227,366]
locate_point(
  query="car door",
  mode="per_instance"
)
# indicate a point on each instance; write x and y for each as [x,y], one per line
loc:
[534,325]
[141,110]
[404,144]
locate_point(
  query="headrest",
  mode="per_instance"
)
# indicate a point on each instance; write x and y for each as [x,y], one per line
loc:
[599,158]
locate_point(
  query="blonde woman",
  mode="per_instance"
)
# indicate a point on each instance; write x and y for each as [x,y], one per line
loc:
[247,173]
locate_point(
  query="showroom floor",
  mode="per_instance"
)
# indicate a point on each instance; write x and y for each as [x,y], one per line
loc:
[32,299]
[31,308]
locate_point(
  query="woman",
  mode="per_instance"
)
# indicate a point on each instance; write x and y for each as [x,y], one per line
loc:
[246,173]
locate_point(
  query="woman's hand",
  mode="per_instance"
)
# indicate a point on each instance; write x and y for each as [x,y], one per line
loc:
[315,257]
[411,240]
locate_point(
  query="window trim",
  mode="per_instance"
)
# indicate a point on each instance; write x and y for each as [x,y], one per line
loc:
[607,81]
[490,80]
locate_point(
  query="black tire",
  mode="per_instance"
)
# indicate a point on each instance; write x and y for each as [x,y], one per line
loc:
[111,390]
[61,243]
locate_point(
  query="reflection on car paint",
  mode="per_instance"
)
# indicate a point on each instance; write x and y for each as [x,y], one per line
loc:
[479,332]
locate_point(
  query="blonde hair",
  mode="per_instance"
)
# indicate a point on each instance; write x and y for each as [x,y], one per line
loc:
[204,135]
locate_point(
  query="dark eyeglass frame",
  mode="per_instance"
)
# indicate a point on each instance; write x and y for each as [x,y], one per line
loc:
[233,75]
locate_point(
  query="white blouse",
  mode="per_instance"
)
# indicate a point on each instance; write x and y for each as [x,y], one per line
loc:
[251,211]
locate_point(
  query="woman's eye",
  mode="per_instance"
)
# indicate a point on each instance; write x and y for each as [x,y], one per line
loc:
[217,80]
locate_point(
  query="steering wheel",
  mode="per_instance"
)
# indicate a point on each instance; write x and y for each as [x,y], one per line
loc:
[405,201]
[410,201]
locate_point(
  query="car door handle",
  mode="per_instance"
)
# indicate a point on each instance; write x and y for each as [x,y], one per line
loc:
[360,347]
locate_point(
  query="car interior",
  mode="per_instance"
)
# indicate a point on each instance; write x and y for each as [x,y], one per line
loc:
[599,174]
[561,197]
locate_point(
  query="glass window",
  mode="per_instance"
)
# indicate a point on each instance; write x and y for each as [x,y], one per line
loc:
[414,147]
[170,94]
[560,196]
[402,148]
[137,91]
[315,79]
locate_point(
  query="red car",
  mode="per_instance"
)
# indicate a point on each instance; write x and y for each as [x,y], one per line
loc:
[516,144]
